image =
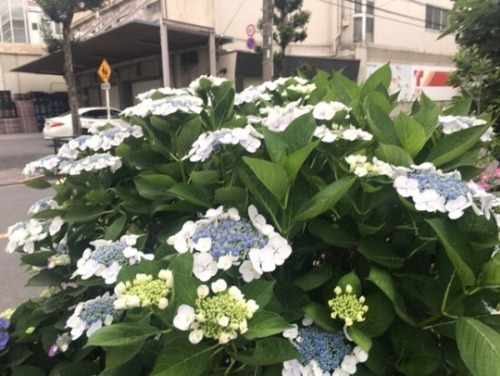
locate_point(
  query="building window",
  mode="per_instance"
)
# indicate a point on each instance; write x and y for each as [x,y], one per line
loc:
[363,22]
[34,26]
[154,7]
[436,18]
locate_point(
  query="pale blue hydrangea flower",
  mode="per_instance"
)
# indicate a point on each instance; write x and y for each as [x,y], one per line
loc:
[435,191]
[108,257]
[165,106]
[49,163]
[91,315]
[278,118]
[24,235]
[451,124]
[43,204]
[4,335]
[223,239]
[208,142]
[92,163]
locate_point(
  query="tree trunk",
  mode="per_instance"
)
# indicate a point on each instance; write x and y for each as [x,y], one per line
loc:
[69,76]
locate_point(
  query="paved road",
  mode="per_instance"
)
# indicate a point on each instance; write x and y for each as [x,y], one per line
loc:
[15,199]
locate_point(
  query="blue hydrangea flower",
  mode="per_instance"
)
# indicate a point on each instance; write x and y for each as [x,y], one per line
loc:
[91,315]
[322,352]
[222,239]
[4,336]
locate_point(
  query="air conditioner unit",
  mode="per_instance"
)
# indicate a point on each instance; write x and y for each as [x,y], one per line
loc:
[345,22]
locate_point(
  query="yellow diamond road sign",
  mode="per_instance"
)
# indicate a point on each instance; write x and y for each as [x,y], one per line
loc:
[104,71]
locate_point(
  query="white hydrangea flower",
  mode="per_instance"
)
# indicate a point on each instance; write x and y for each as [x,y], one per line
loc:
[277,118]
[327,110]
[43,204]
[451,124]
[24,235]
[92,163]
[165,106]
[252,94]
[49,164]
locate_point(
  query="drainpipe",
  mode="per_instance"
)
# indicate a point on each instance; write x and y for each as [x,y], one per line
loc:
[165,63]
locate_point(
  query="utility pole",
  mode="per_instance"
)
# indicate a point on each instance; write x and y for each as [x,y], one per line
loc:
[267,39]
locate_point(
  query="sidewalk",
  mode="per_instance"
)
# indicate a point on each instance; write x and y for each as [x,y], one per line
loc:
[16,150]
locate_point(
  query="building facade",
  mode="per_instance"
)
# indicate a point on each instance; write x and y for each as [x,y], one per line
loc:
[146,41]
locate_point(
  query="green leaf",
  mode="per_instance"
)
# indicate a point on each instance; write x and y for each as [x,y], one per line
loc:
[479,347]
[316,277]
[122,334]
[331,234]
[268,351]
[147,159]
[259,290]
[119,355]
[380,315]
[271,175]
[454,145]
[321,315]
[324,199]
[410,133]
[490,275]
[224,100]
[394,155]
[192,193]
[379,251]
[187,135]
[380,124]
[204,177]
[380,78]
[265,324]
[27,370]
[457,249]
[427,117]
[115,229]
[384,282]
[84,368]
[360,338]
[36,258]
[230,196]
[182,358]
[154,186]
[299,132]
[459,108]
[295,160]
[45,278]
[185,289]
[82,213]
[37,183]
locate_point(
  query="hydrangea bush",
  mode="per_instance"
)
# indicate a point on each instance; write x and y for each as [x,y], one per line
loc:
[300,227]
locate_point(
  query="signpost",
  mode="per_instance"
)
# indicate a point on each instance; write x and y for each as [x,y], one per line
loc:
[104,72]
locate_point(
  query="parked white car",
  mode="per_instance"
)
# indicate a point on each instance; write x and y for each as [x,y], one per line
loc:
[90,117]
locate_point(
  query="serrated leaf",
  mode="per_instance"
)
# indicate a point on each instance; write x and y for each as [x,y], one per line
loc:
[117,356]
[122,334]
[314,278]
[182,358]
[82,213]
[38,183]
[154,186]
[36,258]
[394,155]
[490,275]
[45,278]
[385,283]
[454,145]
[259,290]
[321,316]
[271,175]
[268,351]
[379,251]
[410,133]
[192,193]
[457,249]
[479,347]
[360,338]
[230,196]
[324,199]
[115,229]
[265,324]
[295,160]
[380,124]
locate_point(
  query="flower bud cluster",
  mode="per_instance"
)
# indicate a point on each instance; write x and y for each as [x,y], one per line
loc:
[336,132]
[346,306]
[61,345]
[322,353]
[222,239]
[59,259]
[220,315]
[359,165]
[108,257]
[144,291]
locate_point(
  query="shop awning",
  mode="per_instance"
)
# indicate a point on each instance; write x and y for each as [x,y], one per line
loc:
[127,42]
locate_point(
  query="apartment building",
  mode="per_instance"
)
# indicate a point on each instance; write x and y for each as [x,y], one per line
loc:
[21,43]
[148,42]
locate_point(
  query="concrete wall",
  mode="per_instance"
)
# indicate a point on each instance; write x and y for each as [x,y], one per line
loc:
[26,82]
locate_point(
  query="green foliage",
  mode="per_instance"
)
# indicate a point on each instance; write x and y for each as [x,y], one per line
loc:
[414,287]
